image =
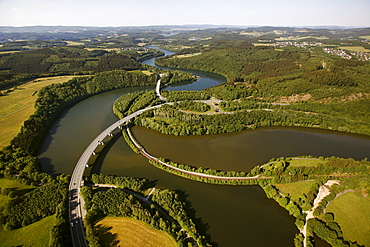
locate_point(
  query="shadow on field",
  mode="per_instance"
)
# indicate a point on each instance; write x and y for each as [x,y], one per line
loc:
[107,238]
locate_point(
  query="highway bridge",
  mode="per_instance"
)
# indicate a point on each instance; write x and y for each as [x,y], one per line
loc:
[158,91]
[76,203]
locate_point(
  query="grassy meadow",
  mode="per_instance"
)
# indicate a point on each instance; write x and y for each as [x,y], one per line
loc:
[18,104]
[18,188]
[34,235]
[126,232]
[351,211]
[306,162]
[354,48]
[295,190]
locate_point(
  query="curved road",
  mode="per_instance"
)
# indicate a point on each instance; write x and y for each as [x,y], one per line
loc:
[158,91]
[76,203]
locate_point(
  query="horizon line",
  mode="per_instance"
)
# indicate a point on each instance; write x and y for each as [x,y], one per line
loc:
[184,25]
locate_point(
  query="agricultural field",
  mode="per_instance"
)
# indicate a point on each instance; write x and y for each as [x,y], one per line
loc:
[18,104]
[354,48]
[351,211]
[188,55]
[126,232]
[300,38]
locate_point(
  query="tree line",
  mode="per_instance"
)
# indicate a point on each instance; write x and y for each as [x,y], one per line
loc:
[116,202]
[33,206]
[170,121]
[19,161]
[355,177]
[225,61]
[205,171]
[174,96]
[131,183]
[192,106]
[64,59]
[271,73]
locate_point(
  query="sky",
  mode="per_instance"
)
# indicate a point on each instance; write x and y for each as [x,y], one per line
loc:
[178,12]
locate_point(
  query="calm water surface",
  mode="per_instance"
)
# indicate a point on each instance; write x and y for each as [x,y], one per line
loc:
[232,215]
[243,150]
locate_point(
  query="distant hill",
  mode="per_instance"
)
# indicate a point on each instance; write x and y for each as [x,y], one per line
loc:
[8,33]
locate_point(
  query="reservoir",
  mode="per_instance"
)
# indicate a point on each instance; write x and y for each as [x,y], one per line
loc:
[231,215]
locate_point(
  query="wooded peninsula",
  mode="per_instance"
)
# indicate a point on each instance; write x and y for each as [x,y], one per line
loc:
[307,82]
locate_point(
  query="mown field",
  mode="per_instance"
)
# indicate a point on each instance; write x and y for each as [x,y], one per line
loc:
[34,235]
[126,232]
[18,104]
[305,162]
[351,211]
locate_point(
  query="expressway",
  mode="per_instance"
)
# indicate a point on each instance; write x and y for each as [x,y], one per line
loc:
[76,204]
[158,91]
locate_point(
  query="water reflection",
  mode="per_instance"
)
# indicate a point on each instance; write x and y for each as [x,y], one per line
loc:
[236,215]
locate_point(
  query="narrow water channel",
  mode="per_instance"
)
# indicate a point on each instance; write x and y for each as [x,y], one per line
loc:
[232,215]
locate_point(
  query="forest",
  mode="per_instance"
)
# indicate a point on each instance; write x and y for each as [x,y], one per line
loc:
[266,86]
[122,203]
[267,76]
[18,160]
[19,67]
[169,120]
[298,204]
[272,73]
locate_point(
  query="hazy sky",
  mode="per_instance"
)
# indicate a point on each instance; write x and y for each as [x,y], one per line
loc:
[178,12]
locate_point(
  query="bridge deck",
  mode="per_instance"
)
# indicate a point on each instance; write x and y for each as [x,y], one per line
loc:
[76,203]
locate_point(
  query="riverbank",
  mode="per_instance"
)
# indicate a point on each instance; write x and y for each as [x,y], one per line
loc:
[17,105]
[208,175]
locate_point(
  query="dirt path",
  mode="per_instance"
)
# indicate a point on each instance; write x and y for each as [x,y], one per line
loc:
[324,191]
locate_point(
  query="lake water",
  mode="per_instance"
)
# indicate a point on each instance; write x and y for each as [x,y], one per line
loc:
[232,215]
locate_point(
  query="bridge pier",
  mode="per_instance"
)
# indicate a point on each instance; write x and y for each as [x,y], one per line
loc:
[76,209]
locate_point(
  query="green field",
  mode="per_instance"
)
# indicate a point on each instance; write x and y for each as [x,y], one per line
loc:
[18,188]
[17,105]
[351,211]
[295,190]
[126,232]
[34,235]
[354,48]
[305,162]
[300,38]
